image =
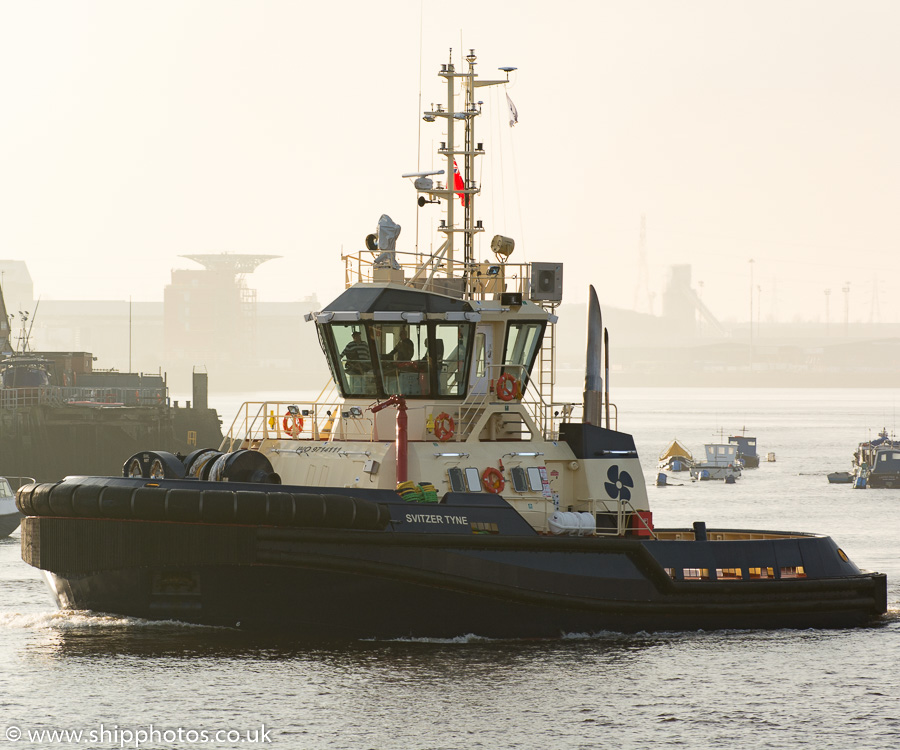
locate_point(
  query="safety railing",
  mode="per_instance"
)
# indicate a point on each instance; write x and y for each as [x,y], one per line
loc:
[474,280]
[52,395]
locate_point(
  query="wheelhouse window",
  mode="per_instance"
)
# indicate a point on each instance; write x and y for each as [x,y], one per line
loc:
[454,341]
[523,339]
[417,360]
[404,358]
[354,369]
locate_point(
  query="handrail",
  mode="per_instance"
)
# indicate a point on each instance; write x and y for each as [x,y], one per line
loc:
[480,278]
[97,396]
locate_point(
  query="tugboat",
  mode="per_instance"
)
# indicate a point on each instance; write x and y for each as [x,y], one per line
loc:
[441,491]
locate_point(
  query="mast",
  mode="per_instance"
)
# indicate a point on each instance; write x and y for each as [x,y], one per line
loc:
[454,152]
[5,342]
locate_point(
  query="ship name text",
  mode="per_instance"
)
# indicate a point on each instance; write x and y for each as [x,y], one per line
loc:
[435,518]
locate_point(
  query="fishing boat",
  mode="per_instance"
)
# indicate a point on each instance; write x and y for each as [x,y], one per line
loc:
[746,450]
[675,457]
[877,461]
[721,462]
[437,488]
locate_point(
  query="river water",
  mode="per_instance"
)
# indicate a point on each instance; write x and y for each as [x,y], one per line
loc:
[128,683]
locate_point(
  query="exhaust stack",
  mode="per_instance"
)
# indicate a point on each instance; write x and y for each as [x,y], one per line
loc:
[593,378]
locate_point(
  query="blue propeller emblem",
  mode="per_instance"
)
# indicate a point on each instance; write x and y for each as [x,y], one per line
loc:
[618,484]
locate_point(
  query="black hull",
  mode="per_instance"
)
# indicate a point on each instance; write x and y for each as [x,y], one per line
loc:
[331,583]
[883,481]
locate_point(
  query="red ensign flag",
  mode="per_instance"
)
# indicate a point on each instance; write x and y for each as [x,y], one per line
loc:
[458,183]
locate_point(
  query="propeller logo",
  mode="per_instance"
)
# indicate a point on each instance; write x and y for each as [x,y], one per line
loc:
[619,484]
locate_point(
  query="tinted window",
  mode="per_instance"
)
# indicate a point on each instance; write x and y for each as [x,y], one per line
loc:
[353,367]
[522,343]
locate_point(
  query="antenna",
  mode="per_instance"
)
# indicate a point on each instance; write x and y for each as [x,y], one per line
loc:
[875,310]
[33,316]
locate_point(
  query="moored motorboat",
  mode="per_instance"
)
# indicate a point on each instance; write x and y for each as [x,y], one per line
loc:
[877,461]
[676,457]
[10,516]
[746,449]
[444,492]
[720,463]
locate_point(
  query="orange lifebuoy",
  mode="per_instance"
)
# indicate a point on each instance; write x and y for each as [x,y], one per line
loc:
[291,421]
[493,480]
[444,426]
[507,387]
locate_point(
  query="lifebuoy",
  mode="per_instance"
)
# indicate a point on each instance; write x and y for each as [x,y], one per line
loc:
[507,387]
[444,426]
[493,480]
[291,421]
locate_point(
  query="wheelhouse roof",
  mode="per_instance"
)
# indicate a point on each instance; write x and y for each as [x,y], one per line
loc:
[369,299]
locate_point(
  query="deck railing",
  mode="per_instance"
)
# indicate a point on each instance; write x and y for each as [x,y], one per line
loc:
[53,395]
[476,280]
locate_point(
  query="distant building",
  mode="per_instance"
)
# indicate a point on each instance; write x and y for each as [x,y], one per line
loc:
[210,315]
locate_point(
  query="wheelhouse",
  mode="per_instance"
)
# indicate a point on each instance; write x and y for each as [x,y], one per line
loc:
[422,345]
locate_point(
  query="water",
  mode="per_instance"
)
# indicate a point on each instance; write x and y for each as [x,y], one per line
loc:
[771,689]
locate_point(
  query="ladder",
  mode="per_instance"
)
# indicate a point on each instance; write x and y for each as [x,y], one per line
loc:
[547,374]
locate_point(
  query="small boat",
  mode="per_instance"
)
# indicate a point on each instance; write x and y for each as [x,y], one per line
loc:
[439,489]
[840,477]
[720,463]
[10,517]
[746,449]
[878,461]
[675,457]
[770,457]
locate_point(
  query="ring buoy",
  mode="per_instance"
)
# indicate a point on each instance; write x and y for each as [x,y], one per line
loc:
[444,427]
[507,387]
[493,480]
[291,421]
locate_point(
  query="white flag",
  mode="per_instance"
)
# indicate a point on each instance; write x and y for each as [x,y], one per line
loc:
[513,112]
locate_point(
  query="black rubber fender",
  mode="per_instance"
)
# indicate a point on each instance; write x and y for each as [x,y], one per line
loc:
[206,502]
[40,499]
[218,506]
[62,499]
[115,502]
[24,499]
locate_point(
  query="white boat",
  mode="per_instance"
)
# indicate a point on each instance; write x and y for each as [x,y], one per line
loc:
[9,513]
[721,462]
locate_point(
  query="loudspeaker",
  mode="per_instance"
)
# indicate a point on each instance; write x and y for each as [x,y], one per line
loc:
[546,282]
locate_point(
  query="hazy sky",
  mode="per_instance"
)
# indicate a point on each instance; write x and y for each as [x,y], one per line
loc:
[135,132]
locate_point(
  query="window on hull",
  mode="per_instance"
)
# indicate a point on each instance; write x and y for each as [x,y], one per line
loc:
[415,360]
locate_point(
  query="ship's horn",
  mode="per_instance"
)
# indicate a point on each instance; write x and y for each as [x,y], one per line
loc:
[593,379]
